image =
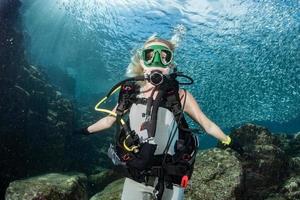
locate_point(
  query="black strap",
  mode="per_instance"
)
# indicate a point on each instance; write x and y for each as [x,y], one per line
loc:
[159,188]
[140,100]
[156,103]
[127,97]
[169,169]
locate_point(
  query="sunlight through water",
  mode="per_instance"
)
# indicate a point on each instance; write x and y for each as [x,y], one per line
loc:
[243,55]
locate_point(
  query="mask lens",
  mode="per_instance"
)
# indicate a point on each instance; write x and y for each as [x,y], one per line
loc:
[148,55]
[166,56]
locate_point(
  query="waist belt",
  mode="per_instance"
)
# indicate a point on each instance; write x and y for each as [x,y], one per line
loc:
[169,170]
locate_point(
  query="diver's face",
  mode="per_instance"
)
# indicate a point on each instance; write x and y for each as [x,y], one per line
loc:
[163,57]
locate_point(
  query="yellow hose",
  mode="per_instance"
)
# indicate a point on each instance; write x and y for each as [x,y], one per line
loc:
[106,110]
[115,115]
[126,147]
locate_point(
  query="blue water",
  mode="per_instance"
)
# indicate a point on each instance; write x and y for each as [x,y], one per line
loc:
[243,55]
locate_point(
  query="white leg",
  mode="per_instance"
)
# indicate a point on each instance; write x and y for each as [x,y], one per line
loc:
[176,194]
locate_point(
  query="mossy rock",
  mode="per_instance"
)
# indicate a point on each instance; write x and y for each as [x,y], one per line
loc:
[52,186]
[113,191]
[291,188]
[217,175]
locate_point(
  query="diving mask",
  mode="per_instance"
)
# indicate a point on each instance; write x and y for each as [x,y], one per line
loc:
[157,56]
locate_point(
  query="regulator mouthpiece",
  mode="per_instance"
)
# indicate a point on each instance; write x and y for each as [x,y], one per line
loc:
[156,78]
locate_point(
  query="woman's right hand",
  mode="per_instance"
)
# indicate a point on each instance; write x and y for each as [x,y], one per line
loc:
[82,131]
[233,144]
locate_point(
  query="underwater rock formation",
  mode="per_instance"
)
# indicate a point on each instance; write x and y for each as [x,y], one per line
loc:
[217,175]
[88,154]
[291,188]
[50,186]
[111,192]
[266,163]
[36,122]
[263,172]
[11,58]
[223,174]
[97,182]
[35,119]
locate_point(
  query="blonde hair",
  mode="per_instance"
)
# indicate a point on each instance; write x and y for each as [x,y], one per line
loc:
[134,68]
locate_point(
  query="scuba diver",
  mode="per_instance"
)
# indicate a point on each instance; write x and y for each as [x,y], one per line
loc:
[154,142]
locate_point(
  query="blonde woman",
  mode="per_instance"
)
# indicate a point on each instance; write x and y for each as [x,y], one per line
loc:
[159,149]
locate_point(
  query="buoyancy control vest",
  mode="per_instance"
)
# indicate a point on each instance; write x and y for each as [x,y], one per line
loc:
[167,148]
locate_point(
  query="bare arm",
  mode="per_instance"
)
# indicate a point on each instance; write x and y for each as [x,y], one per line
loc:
[102,124]
[193,110]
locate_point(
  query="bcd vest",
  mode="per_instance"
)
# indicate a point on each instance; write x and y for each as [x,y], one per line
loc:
[167,147]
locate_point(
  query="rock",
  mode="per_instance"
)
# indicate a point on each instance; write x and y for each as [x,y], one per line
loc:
[52,186]
[266,165]
[32,140]
[295,145]
[97,182]
[113,191]
[291,188]
[294,165]
[275,197]
[290,143]
[217,175]
[224,174]
[22,90]
[284,141]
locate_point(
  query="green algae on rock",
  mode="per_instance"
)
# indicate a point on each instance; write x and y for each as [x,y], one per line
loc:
[53,186]
[111,192]
[217,175]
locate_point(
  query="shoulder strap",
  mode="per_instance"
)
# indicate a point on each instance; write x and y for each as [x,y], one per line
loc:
[168,97]
[127,95]
[172,100]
